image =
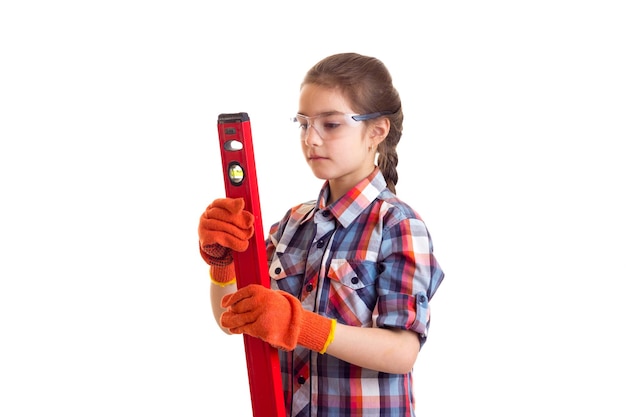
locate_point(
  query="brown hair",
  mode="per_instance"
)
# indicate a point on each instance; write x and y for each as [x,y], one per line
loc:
[367,84]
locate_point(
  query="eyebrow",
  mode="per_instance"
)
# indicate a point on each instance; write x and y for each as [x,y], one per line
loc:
[326,113]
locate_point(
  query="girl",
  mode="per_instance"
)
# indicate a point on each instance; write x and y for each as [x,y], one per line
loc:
[352,272]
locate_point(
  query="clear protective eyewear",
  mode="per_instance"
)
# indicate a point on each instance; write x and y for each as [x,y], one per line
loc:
[332,125]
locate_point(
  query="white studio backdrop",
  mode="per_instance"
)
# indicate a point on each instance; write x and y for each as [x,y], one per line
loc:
[512,153]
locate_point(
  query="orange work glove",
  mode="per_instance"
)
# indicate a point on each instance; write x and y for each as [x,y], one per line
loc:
[276,317]
[224,226]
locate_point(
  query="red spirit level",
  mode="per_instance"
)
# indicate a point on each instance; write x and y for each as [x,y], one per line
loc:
[251,266]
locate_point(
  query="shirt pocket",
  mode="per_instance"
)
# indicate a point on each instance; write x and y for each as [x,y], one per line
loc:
[287,271]
[352,291]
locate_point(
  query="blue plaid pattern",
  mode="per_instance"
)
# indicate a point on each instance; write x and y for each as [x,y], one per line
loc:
[365,260]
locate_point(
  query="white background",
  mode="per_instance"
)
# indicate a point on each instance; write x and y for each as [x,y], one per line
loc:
[512,153]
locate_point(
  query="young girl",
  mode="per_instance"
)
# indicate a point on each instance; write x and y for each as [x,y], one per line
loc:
[352,272]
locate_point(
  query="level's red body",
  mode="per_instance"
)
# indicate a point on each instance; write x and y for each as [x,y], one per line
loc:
[251,267]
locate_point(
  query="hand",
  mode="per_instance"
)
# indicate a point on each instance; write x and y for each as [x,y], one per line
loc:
[276,317]
[224,226]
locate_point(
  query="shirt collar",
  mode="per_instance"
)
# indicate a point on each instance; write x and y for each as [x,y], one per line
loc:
[355,201]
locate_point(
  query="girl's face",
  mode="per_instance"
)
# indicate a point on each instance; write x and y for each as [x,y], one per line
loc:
[336,147]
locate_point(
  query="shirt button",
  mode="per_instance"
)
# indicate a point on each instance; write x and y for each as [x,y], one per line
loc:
[422,298]
[277,271]
[326,213]
[355,280]
[320,243]
[309,287]
[301,380]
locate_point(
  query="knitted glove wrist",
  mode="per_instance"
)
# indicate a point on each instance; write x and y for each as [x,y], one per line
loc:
[222,275]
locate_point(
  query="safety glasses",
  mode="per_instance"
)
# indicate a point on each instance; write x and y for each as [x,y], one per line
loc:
[333,125]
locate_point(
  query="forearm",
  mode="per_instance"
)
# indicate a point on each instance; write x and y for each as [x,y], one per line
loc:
[278,318]
[217,293]
[385,350]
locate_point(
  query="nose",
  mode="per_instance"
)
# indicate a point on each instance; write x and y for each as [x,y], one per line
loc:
[312,137]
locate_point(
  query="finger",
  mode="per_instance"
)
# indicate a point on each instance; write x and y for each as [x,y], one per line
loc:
[212,237]
[218,225]
[219,213]
[246,220]
[226,321]
[232,244]
[232,320]
[235,330]
[242,219]
[255,293]
[232,205]
[226,300]
[230,299]
[247,329]
[251,304]
[235,244]
[209,240]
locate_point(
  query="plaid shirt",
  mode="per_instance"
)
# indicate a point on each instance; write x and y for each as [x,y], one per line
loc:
[365,260]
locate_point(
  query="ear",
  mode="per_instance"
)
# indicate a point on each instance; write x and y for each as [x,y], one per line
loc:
[379,129]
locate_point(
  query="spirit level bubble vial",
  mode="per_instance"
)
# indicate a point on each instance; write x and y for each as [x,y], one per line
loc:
[235,173]
[251,267]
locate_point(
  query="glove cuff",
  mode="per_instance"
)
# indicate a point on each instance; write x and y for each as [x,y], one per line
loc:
[316,332]
[222,275]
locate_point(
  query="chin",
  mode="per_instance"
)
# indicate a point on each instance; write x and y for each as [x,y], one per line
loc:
[320,174]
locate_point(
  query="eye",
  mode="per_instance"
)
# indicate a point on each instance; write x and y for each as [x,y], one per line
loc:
[332,123]
[302,123]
